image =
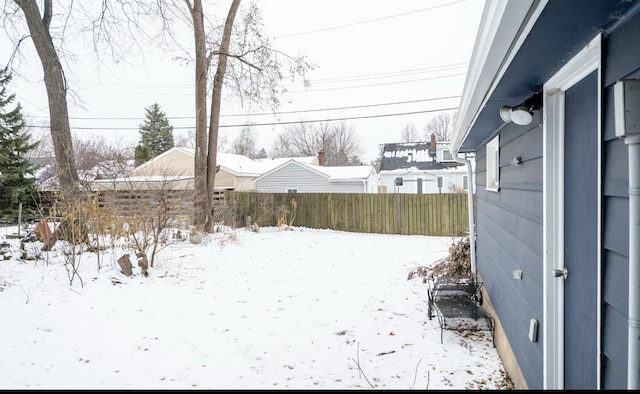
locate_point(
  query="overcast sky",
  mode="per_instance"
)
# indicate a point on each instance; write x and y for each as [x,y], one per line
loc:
[383,58]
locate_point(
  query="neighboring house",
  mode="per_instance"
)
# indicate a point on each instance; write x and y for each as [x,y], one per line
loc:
[175,169]
[295,176]
[422,168]
[236,172]
[47,180]
[557,189]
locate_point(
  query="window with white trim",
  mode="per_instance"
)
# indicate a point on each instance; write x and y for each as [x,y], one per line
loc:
[292,190]
[465,182]
[493,164]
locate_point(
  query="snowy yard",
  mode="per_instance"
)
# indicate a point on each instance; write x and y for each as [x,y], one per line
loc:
[298,309]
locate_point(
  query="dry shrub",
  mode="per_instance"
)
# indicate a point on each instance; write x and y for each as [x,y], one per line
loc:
[458,263]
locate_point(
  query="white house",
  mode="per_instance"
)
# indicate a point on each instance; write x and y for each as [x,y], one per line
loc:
[422,168]
[294,176]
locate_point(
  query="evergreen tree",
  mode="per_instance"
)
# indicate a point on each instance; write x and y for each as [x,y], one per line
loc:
[142,155]
[156,134]
[17,182]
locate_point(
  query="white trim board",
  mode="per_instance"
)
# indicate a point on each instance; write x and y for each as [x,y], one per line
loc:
[581,65]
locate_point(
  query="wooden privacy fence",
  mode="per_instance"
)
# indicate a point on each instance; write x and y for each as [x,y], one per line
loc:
[384,213]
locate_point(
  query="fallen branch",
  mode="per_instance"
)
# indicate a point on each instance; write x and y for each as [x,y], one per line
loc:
[383,353]
[365,376]
[415,376]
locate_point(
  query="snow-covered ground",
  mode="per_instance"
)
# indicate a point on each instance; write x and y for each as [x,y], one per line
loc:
[298,308]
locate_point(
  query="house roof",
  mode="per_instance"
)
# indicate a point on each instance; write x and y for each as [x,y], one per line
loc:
[411,155]
[238,165]
[345,172]
[271,163]
[339,173]
[519,46]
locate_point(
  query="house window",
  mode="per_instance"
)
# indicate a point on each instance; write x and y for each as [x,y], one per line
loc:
[440,181]
[292,190]
[493,164]
[447,156]
[465,182]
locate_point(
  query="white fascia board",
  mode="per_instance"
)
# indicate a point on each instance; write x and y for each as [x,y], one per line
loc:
[503,27]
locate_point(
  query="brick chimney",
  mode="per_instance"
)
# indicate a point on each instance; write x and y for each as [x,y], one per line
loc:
[432,147]
[321,158]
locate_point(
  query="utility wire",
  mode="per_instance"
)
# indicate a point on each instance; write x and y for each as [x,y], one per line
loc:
[277,123]
[376,84]
[369,21]
[273,113]
[289,91]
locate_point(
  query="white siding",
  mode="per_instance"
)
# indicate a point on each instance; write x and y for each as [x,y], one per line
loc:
[452,181]
[304,179]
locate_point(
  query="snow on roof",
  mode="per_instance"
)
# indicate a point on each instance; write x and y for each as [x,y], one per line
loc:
[271,163]
[345,172]
[242,165]
[410,150]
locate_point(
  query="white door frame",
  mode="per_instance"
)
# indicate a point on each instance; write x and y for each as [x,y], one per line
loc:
[581,65]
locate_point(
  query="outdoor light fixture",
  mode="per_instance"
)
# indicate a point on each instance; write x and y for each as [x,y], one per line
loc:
[521,114]
[518,115]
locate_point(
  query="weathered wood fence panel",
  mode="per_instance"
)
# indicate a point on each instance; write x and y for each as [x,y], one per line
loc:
[407,214]
[384,213]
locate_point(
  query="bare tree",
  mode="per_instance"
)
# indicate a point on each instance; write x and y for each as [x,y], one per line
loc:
[255,72]
[186,140]
[441,125]
[339,142]
[346,145]
[245,143]
[214,120]
[107,23]
[244,59]
[409,133]
[55,83]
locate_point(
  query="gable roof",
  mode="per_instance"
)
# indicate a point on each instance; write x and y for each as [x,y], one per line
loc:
[271,163]
[339,173]
[411,155]
[238,165]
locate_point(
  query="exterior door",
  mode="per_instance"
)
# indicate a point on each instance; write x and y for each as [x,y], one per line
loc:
[571,223]
[581,234]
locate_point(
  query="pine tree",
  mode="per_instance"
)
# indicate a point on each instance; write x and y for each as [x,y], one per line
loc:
[156,134]
[142,155]
[17,182]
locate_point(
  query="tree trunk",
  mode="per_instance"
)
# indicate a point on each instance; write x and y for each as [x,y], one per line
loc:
[216,98]
[57,97]
[201,204]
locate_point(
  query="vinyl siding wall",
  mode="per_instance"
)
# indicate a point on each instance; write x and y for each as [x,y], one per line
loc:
[621,60]
[509,225]
[305,181]
[451,179]
[509,237]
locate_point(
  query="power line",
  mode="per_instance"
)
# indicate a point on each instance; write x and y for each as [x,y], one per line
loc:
[376,84]
[368,21]
[278,123]
[274,113]
[391,74]
[289,91]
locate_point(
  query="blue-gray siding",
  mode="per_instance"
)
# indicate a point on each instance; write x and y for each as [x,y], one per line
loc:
[509,226]
[621,60]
